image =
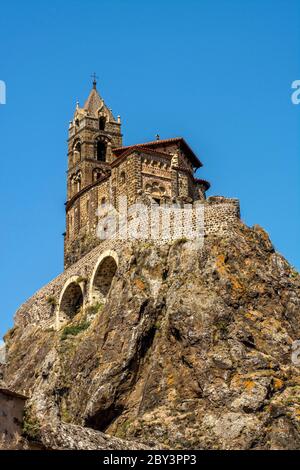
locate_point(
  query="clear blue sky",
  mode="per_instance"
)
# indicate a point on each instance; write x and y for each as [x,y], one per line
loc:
[217,72]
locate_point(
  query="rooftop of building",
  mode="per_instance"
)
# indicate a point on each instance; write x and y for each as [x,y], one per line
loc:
[157,143]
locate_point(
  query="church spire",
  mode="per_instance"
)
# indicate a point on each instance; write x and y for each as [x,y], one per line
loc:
[94,102]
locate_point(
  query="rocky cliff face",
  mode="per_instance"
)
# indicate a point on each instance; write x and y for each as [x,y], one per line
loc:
[192,350]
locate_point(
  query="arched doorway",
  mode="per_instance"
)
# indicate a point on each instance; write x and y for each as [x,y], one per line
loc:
[102,277]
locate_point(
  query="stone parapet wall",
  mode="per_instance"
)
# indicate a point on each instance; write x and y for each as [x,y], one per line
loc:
[220,216]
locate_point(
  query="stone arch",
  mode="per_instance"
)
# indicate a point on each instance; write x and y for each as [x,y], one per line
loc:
[78,181]
[76,151]
[73,185]
[77,145]
[70,301]
[101,147]
[156,190]
[155,187]
[102,276]
[97,174]
[122,177]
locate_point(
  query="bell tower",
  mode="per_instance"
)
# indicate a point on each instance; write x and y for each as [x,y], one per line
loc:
[93,133]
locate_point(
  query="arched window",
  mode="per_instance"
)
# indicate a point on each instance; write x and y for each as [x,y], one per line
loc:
[73,185]
[78,178]
[77,150]
[103,202]
[122,177]
[77,122]
[102,122]
[97,174]
[101,151]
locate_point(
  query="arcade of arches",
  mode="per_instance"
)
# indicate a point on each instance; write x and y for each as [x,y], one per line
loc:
[72,297]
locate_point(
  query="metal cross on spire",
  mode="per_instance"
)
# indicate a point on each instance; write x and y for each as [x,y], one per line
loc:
[94,77]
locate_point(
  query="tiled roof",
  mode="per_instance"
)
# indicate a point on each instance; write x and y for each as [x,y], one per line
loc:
[156,143]
[140,148]
[146,144]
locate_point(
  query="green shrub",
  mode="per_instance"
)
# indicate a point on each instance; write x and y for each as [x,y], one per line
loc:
[81,279]
[93,309]
[31,427]
[74,330]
